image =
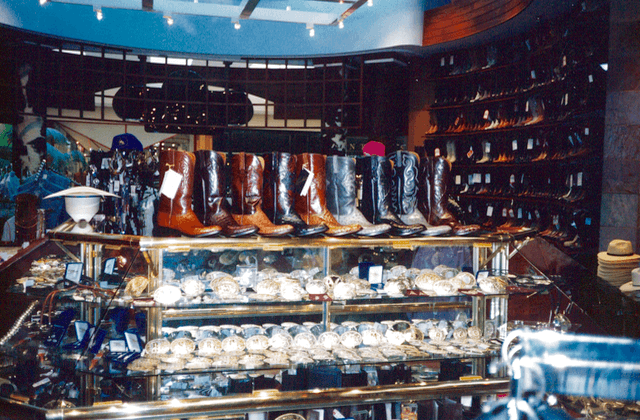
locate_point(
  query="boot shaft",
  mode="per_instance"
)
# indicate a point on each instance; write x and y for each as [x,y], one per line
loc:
[341,185]
[279,185]
[246,182]
[183,163]
[376,173]
[315,200]
[209,182]
[404,182]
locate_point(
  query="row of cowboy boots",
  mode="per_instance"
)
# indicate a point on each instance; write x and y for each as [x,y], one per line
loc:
[302,195]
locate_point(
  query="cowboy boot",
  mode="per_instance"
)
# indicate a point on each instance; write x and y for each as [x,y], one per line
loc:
[279,194]
[376,191]
[209,202]
[174,211]
[341,196]
[439,170]
[246,192]
[311,203]
[404,192]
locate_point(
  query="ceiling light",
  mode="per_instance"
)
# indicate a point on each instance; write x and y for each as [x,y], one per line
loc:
[288,8]
[98,11]
[169,19]
[341,24]
[312,31]
[236,24]
[369,3]
[43,2]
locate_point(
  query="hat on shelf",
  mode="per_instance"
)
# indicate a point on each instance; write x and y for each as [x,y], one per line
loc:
[616,264]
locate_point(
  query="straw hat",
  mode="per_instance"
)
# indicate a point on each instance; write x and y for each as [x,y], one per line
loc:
[619,253]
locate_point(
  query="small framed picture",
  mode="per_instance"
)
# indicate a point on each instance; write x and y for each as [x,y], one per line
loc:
[109,266]
[73,272]
[133,342]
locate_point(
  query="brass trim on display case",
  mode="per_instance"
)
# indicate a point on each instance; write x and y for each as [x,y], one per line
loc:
[261,401]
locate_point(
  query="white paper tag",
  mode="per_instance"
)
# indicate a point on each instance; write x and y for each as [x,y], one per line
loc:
[514,145]
[537,213]
[570,180]
[477,178]
[458,180]
[564,60]
[487,178]
[116,186]
[470,179]
[566,99]
[489,211]
[520,213]
[482,275]
[512,179]
[375,274]
[451,60]
[533,74]
[337,414]
[586,131]
[511,213]
[436,152]
[307,184]
[579,180]
[504,212]
[530,144]
[170,184]
[591,78]
[526,106]
[442,63]
[486,114]
[487,147]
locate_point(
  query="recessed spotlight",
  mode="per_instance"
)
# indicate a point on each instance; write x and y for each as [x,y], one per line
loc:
[169,19]
[369,3]
[236,24]
[43,2]
[288,7]
[341,24]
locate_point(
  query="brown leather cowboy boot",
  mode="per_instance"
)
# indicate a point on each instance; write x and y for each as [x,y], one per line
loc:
[246,192]
[176,213]
[311,204]
[209,202]
[279,194]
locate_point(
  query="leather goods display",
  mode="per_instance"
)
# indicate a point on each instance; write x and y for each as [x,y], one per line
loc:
[209,201]
[175,210]
[342,196]
[376,191]
[311,202]
[246,192]
[279,194]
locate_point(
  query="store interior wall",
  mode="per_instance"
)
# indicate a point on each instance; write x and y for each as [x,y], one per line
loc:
[620,211]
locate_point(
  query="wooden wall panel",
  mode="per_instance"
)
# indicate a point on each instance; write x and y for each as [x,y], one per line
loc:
[462,18]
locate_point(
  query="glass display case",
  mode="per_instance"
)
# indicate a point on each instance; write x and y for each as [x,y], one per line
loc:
[189,328]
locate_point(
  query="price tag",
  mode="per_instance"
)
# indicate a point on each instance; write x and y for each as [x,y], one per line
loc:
[526,106]
[556,219]
[442,63]
[504,212]
[170,183]
[482,275]
[591,78]
[520,213]
[529,215]
[570,180]
[451,60]
[512,213]
[533,74]
[566,98]
[436,152]
[458,180]
[307,184]
[514,145]
[470,179]
[537,213]
[512,179]
[116,186]
[489,211]
[564,61]
[586,131]
[579,180]
[375,274]
[477,178]
[486,114]
[530,144]
[487,178]
[487,147]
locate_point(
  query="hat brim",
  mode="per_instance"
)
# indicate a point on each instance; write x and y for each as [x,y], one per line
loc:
[81,191]
[605,257]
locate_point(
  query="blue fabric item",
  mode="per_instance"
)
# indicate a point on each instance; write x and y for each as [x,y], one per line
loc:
[126,141]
